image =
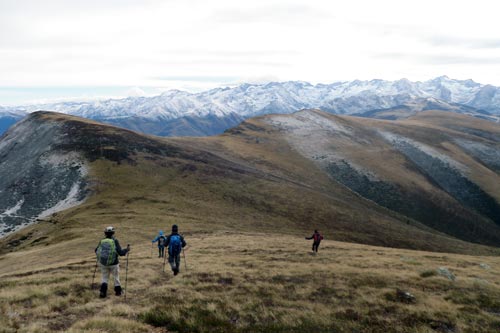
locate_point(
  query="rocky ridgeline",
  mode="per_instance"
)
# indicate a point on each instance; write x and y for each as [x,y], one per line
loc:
[38,177]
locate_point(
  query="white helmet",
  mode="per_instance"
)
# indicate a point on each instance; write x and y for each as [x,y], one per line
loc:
[109,230]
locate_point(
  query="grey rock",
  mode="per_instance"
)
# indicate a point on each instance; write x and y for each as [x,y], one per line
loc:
[443,271]
[481,282]
[405,297]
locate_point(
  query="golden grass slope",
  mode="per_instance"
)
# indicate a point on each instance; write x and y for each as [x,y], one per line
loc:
[251,282]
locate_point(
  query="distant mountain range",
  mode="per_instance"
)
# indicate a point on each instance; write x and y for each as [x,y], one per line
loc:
[179,113]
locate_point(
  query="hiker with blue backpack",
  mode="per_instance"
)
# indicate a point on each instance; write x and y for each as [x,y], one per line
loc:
[175,243]
[107,252]
[161,239]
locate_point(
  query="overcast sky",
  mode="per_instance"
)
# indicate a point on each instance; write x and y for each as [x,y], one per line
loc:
[62,48]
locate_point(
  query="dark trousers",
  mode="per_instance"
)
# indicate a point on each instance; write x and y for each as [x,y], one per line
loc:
[161,251]
[175,262]
[315,246]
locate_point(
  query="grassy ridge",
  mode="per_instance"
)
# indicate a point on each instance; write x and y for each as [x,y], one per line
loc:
[253,178]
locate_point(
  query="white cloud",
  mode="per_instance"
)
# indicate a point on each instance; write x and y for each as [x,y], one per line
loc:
[135,92]
[133,43]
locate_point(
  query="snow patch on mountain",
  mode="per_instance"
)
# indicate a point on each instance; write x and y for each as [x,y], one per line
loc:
[315,137]
[13,210]
[73,199]
[71,159]
[302,123]
[488,153]
[401,142]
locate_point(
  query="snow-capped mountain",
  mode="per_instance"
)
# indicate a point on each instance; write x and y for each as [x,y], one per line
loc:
[182,113]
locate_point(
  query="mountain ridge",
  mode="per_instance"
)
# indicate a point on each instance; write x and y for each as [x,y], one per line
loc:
[221,108]
[377,182]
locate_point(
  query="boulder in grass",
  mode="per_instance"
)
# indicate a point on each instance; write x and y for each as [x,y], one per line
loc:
[443,271]
[484,266]
[405,297]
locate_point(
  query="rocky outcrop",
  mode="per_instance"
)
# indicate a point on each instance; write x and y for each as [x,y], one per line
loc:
[39,177]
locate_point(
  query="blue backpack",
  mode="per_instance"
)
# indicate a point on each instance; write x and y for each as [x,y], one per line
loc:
[175,245]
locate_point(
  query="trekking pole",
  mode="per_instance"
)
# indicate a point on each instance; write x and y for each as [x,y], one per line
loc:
[185,263]
[126,275]
[164,261]
[92,286]
[151,249]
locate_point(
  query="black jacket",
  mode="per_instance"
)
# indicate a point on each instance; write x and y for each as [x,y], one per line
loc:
[119,250]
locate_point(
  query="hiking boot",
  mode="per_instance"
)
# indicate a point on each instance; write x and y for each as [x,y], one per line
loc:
[176,271]
[118,290]
[104,290]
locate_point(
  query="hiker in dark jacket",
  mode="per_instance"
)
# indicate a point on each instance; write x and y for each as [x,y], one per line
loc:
[175,243]
[107,252]
[161,239]
[317,239]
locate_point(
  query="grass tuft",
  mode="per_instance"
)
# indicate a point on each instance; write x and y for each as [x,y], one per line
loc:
[428,273]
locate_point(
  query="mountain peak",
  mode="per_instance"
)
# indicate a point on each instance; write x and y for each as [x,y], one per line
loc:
[443,77]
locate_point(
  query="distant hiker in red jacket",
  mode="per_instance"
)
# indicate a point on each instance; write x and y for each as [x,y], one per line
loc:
[317,239]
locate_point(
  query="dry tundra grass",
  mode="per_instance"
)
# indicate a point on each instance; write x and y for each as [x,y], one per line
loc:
[253,282]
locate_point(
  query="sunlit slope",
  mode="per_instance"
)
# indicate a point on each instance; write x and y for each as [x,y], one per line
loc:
[438,168]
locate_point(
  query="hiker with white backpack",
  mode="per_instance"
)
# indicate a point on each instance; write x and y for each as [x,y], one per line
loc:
[107,252]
